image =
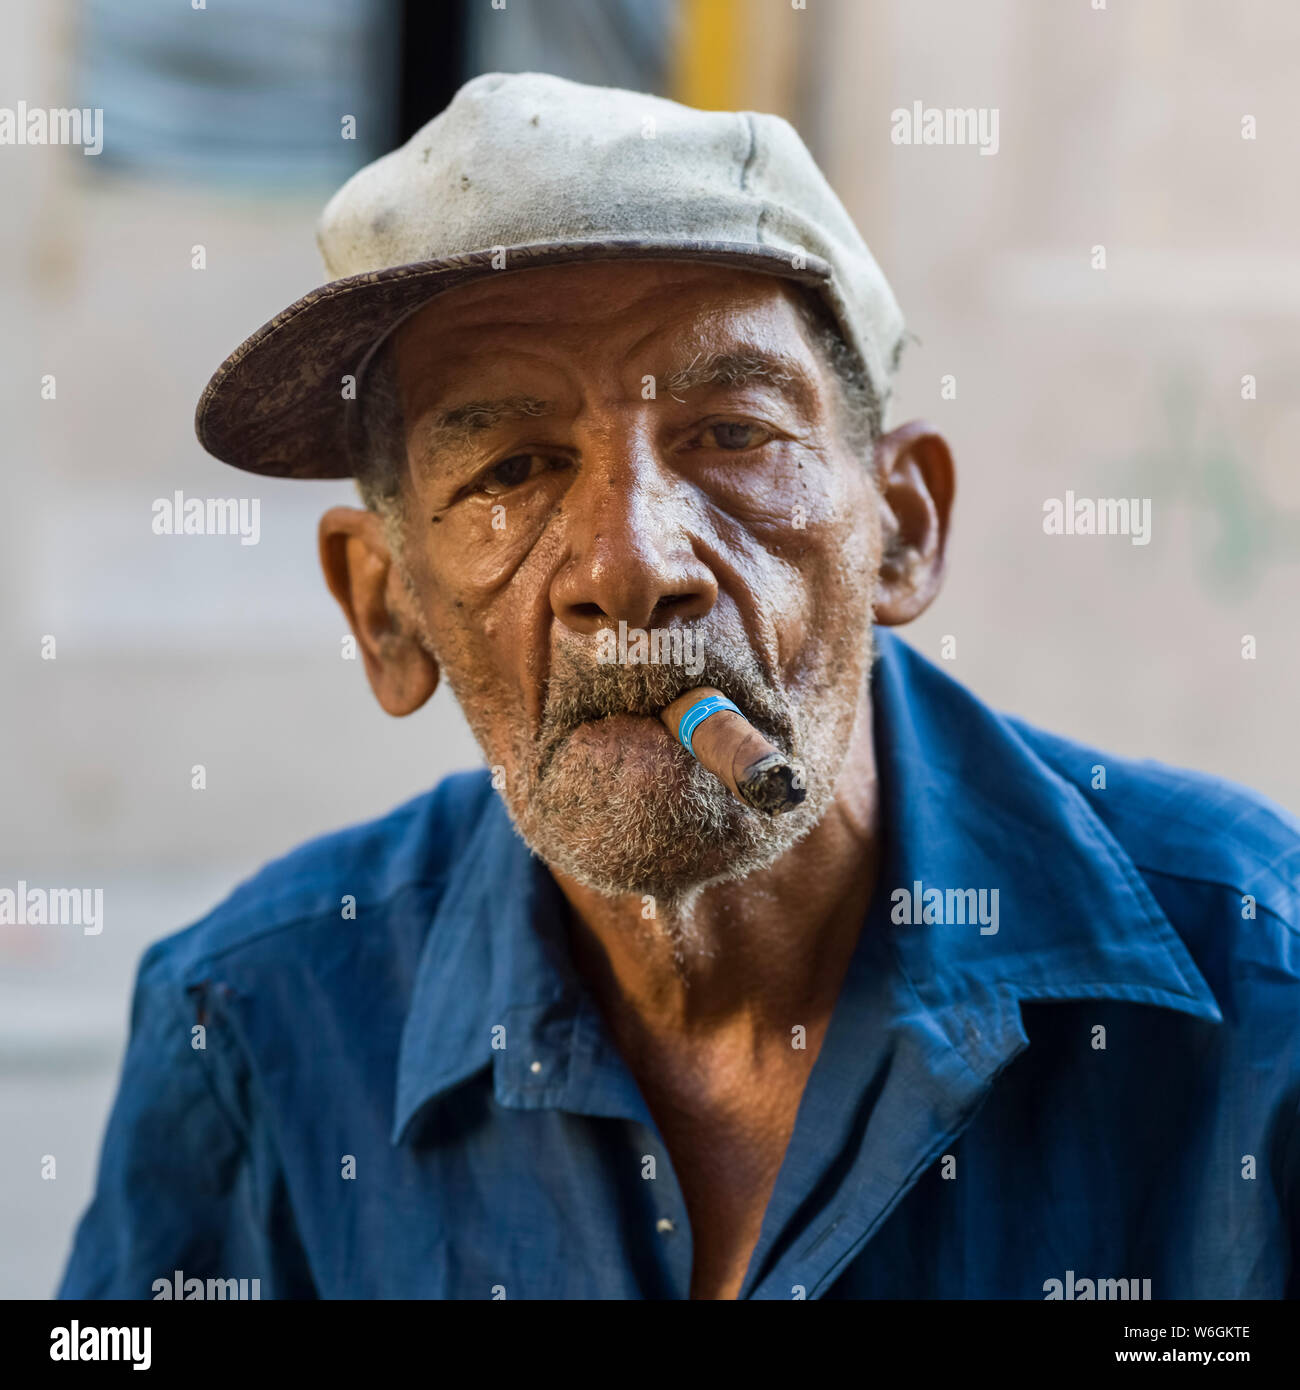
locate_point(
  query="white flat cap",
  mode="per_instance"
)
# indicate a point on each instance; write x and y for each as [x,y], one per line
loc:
[523,170]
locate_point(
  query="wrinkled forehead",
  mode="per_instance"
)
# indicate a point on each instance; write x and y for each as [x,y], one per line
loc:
[611,308]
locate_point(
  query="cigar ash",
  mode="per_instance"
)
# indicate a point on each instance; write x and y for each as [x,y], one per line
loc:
[771,785]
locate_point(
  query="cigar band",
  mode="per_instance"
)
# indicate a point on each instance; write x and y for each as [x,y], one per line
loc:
[697,714]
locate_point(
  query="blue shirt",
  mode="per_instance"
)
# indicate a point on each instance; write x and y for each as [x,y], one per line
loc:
[417,1098]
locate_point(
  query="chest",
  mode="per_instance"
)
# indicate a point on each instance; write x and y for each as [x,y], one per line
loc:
[727,1134]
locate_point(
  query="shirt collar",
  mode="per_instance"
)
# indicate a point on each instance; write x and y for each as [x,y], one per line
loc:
[496,986]
[966,804]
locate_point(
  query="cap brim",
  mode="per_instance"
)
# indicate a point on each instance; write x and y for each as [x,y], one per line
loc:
[276,405]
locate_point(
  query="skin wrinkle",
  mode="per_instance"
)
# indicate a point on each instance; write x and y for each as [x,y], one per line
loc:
[625,855]
[379,476]
[715,555]
[462,425]
[755,918]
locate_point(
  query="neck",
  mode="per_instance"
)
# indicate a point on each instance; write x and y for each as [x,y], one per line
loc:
[747,955]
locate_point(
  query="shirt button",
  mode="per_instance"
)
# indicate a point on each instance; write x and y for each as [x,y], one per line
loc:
[535,1067]
[663,1225]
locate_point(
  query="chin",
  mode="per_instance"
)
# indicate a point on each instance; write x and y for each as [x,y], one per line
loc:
[624,811]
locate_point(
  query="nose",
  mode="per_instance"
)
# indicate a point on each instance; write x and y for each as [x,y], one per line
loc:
[630,557]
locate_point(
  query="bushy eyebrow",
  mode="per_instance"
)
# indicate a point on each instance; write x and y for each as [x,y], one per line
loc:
[461,423]
[737,367]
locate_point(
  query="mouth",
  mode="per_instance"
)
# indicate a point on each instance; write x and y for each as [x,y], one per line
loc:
[631,734]
[614,715]
[621,739]
[623,726]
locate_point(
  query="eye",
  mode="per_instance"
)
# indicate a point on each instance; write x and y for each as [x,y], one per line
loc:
[735,435]
[517,469]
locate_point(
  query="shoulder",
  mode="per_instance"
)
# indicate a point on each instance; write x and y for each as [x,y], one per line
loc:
[1196,839]
[387,872]
[1185,827]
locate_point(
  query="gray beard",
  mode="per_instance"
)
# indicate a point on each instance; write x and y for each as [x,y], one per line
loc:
[658,824]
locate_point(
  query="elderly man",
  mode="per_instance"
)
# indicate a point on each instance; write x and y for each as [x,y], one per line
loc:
[979,1013]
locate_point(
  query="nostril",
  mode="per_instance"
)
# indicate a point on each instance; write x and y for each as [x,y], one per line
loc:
[674,605]
[587,610]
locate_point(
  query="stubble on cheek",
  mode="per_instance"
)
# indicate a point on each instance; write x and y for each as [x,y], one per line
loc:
[621,807]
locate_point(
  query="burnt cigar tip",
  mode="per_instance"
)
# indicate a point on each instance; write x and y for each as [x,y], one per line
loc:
[771,785]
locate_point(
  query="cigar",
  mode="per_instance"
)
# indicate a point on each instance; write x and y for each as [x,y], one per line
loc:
[722,740]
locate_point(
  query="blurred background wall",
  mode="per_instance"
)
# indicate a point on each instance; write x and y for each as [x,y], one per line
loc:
[224,129]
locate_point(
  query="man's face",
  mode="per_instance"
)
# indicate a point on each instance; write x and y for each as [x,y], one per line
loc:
[652,443]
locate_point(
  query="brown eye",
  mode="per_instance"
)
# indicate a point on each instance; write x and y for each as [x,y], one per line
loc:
[735,435]
[512,471]
[515,471]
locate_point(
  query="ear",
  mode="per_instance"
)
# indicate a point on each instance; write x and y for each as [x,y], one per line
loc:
[362,575]
[914,474]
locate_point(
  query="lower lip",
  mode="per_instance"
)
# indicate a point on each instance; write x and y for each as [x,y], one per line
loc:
[624,731]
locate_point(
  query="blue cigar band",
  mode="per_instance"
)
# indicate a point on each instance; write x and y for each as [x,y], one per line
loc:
[697,714]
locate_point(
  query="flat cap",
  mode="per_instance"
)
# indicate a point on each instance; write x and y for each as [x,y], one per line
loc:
[524,170]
